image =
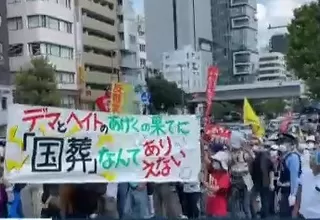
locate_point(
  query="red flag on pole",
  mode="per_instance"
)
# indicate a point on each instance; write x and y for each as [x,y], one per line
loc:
[212,79]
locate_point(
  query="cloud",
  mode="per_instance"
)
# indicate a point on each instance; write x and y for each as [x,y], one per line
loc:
[275,13]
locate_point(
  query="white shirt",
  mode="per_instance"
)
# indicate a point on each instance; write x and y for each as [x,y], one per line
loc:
[310,197]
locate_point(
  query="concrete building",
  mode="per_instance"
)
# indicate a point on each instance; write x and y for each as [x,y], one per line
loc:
[183,67]
[5,90]
[129,47]
[4,45]
[173,24]
[98,41]
[272,66]
[234,31]
[279,43]
[45,28]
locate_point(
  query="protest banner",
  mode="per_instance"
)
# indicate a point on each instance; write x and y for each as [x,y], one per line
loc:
[56,145]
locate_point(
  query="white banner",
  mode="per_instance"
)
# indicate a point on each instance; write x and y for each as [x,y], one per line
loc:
[56,145]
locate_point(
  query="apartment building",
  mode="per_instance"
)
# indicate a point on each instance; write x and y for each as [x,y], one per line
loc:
[272,66]
[5,90]
[46,28]
[183,67]
[99,47]
[129,46]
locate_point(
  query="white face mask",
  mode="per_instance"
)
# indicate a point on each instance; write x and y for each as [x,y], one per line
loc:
[216,165]
[311,145]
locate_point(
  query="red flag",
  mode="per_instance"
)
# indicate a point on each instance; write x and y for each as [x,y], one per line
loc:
[103,102]
[212,79]
[284,126]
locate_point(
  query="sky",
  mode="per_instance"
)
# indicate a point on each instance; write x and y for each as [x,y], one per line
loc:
[274,12]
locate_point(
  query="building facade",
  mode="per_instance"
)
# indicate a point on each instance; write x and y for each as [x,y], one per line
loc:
[272,67]
[45,28]
[235,39]
[182,23]
[129,47]
[183,67]
[4,45]
[98,49]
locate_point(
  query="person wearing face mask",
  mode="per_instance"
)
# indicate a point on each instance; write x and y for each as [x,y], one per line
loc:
[291,169]
[308,195]
[311,141]
[218,185]
[262,173]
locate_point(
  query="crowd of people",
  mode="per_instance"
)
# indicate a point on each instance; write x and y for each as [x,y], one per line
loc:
[244,177]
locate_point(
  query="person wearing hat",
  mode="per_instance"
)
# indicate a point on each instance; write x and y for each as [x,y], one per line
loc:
[311,142]
[241,157]
[217,185]
[290,171]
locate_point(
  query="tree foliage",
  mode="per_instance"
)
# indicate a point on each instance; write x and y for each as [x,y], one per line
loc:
[165,95]
[36,84]
[304,46]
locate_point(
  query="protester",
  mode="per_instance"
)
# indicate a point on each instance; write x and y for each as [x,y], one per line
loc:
[308,195]
[218,185]
[262,172]
[240,176]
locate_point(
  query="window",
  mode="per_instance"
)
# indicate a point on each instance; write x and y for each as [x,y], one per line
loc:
[37,48]
[15,50]
[15,23]
[68,102]
[240,22]
[132,39]
[53,23]
[0,20]
[142,62]
[65,77]
[34,49]
[142,47]
[1,48]
[36,21]
[13,1]
[4,103]
[68,3]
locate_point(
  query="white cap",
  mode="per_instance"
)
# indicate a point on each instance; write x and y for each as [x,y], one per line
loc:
[311,138]
[223,157]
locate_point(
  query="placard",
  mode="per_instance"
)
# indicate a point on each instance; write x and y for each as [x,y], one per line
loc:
[56,145]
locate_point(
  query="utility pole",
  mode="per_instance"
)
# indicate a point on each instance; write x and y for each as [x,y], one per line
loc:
[181,66]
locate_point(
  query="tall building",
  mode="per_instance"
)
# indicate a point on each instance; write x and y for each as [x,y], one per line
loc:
[173,24]
[5,90]
[98,49]
[128,41]
[183,67]
[45,28]
[272,66]
[279,43]
[234,32]
[4,45]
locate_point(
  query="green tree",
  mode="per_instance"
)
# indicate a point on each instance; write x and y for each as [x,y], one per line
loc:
[273,106]
[36,84]
[165,95]
[304,46]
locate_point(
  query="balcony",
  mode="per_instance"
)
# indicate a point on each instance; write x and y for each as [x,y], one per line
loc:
[121,27]
[98,42]
[98,25]
[97,8]
[100,77]
[99,60]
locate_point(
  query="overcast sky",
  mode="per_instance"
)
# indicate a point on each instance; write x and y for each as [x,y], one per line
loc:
[274,12]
